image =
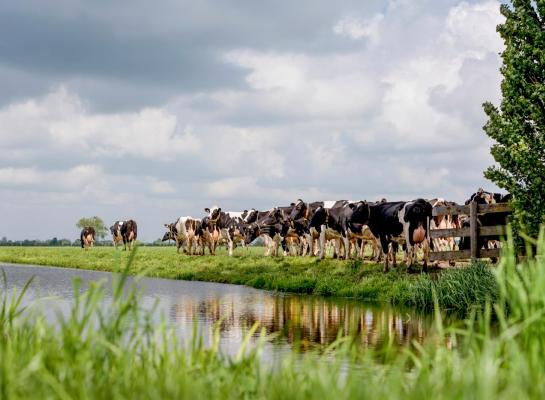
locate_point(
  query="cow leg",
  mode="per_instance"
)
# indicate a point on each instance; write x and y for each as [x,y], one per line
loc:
[347,253]
[426,248]
[321,242]
[385,251]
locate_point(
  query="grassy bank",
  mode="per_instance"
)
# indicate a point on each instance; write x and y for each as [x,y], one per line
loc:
[456,289]
[117,353]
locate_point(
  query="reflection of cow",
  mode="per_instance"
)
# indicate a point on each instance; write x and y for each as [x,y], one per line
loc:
[87,237]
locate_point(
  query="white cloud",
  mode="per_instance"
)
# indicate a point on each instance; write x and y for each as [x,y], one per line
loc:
[357,28]
[61,121]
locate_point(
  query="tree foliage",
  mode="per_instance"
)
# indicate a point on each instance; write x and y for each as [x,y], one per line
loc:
[518,125]
[95,222]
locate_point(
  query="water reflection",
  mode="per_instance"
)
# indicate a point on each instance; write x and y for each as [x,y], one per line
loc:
[310,320]
[307,321]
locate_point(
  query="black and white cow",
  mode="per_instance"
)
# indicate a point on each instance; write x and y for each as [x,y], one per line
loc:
[341,223]
[402,223]
[300,216]
[185,231]
[124,231]
[267,225]
[87,237]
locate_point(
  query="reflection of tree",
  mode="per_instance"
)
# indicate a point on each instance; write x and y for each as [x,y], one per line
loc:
[304,319]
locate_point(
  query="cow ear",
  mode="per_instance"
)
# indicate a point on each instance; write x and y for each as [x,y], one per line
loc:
[245,211]
[207,210]
[292,204]
[219,209]
[351,205]
[167,225]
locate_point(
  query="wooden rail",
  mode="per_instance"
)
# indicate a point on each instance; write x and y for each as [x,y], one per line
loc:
[474,231]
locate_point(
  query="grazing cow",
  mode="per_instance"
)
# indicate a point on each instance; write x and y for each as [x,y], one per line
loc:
[401,222]
[87,237]
[115,229]
[268,225]
[185,230]
[343,222]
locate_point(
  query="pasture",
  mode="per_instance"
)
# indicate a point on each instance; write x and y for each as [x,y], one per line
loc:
[456,289]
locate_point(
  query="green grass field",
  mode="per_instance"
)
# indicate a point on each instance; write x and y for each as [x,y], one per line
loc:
[456,289]
[117,352]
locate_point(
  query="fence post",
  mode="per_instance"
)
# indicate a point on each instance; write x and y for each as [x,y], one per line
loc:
[473,230]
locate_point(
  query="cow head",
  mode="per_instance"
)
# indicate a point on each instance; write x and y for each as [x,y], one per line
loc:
[482,197]
[171,232]
[251,232]
[272,218]
[251,216]
[213,213]
[299,210]
[360,213]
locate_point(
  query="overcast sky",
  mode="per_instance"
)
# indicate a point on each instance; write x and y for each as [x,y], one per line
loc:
[154,110]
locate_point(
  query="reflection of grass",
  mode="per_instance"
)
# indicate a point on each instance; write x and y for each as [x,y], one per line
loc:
[456,289]
[119,352]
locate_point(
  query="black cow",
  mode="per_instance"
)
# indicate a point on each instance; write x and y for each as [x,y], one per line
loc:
[129,232]
[87,237]
[402,222]
[269,226]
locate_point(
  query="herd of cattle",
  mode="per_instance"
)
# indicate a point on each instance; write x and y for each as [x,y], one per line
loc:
[306,228]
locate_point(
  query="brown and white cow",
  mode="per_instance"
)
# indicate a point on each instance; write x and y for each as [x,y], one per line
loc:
[185,231]
[125,231]
[223,226]
[115,229]
[87,237]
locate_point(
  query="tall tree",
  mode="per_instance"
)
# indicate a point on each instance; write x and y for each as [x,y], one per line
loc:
[518,126]
[97,223]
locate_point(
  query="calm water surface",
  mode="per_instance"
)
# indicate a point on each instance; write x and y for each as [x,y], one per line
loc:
[310,319]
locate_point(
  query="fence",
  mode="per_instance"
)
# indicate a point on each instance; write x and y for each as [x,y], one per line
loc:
[474,231]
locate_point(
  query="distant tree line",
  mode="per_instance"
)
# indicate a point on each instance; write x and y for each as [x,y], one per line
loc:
[55,242]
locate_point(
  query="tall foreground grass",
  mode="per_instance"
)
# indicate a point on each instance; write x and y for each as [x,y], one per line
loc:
[119,353]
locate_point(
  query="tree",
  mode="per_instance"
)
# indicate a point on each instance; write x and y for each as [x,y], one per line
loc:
[95,222]
[518,126]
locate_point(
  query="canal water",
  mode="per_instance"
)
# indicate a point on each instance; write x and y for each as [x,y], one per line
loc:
[297,320]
